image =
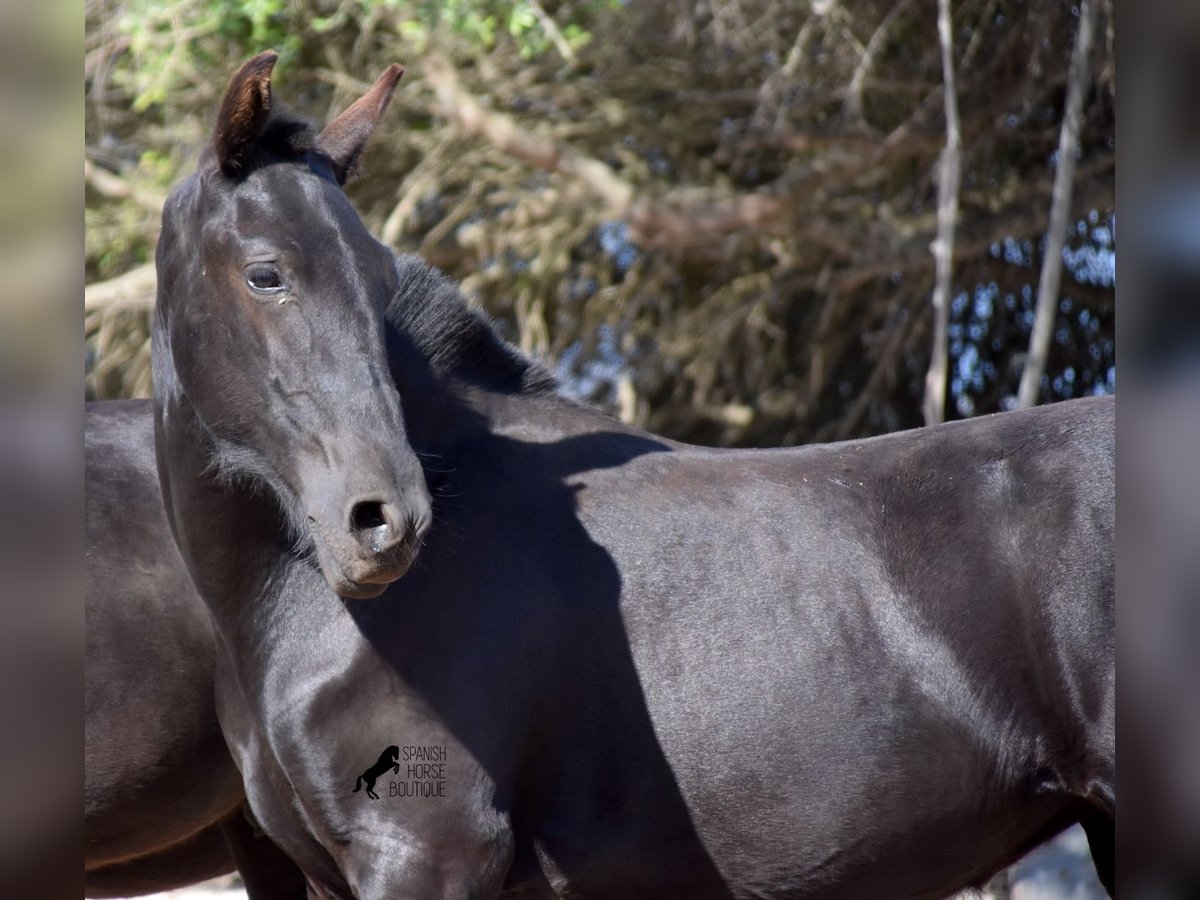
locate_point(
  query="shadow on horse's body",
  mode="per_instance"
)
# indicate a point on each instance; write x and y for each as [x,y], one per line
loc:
[163,799]
[389,759]
[652,670]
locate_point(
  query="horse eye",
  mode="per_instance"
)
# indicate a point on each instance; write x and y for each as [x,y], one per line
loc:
[264,278]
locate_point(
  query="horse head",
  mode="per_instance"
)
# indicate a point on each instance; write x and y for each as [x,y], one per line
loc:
[270,331]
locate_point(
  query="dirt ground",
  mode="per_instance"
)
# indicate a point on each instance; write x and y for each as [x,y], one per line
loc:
[1061,870]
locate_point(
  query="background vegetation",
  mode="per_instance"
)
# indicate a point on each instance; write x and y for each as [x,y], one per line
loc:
[713,218]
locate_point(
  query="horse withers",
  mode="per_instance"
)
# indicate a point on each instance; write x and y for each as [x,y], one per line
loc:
[633,668]
[163,802]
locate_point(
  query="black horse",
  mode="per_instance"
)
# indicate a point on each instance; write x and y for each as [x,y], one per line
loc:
[388,759]
[877,668]
[163,800]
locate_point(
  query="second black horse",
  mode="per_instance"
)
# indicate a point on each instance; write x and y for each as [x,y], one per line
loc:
[163,800]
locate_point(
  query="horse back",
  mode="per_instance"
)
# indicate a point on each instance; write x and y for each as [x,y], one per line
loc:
[930,613]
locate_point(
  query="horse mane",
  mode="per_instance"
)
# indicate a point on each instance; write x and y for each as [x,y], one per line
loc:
[459,341]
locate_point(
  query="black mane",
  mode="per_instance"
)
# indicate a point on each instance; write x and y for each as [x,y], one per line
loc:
[457,340]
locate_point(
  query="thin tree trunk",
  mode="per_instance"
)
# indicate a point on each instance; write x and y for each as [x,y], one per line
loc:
[949,173]
[1060,209]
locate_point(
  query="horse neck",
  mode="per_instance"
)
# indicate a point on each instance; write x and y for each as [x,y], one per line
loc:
[444,410]
[231,535]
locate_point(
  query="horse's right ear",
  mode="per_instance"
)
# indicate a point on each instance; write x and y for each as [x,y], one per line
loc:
[345,138]
[243,112]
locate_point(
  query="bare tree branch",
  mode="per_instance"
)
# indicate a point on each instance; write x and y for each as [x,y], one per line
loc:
[131,290]
[503,131]
[116,188]
[1060,208]
[854,94]
[934,406]
[552,31]
[683,218]
[783,235]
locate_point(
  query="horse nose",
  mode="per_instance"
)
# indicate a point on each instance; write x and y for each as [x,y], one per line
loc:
[377,524]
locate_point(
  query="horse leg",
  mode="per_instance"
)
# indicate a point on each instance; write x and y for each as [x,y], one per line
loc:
[371,789]
[267,872]
[1101,831]
[316,892]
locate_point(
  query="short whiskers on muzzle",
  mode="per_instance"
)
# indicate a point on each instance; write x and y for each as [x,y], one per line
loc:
[243,470]
[301,540]
[418,529]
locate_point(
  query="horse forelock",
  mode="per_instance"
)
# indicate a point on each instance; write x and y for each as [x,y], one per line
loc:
[285,137]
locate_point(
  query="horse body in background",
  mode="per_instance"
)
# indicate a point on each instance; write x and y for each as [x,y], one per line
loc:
[163,799]
[651,670]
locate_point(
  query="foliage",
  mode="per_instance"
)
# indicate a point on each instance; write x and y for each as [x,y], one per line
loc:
[169,41]
[811,324]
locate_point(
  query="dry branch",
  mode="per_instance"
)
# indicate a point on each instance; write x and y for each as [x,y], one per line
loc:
[854,93]
[552,31]
[114,187]
[131,290]
[731,139]
[683,218]
[934,406]
[503,132]
[1060,209]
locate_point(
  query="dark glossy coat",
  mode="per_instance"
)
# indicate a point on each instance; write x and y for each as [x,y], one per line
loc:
[163,799]
[878,668]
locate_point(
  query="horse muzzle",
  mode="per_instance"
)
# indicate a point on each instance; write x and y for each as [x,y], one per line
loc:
[376,543]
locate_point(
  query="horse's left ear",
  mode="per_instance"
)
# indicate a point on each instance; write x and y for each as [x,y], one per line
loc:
[244,112]
[345,138]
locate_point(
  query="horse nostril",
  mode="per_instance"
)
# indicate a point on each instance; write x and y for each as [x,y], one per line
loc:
[366,515]
[377,525]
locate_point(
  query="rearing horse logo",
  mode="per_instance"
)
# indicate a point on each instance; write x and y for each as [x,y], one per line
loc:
[388,759]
